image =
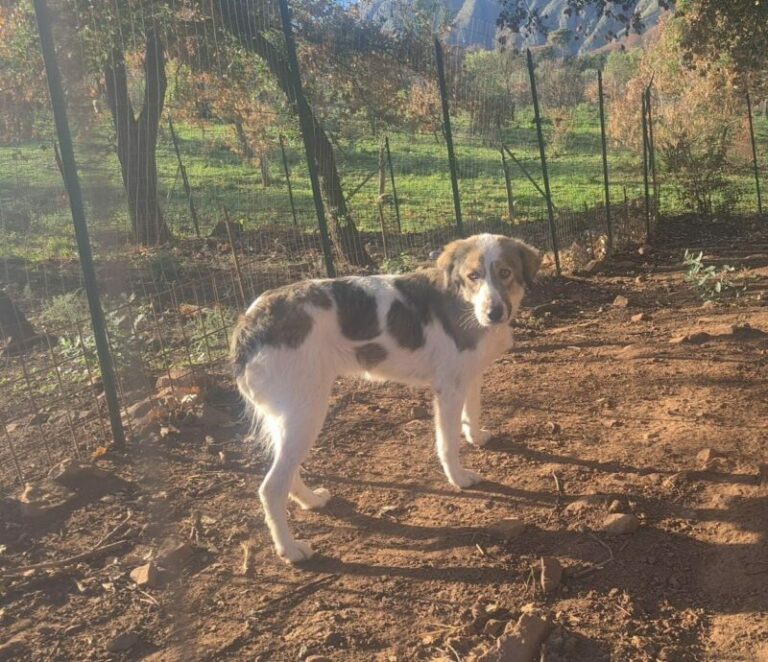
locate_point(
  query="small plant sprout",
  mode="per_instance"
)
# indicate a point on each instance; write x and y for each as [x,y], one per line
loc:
[709,281]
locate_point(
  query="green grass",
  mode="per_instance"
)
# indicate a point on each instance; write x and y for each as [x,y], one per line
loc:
[30,182]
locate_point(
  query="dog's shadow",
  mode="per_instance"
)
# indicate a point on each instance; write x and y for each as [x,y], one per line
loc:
[421,538]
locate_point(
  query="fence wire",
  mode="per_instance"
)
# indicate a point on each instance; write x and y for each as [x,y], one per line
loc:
[198,195]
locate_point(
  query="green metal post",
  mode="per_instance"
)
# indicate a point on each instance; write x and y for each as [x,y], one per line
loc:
[544,171]
[755,163]
[645,170]
[652,151]
[185,180]
[305,121]
[394,188]
[604,142]
[288,181]
[72,184]
[508,186]
[449,136]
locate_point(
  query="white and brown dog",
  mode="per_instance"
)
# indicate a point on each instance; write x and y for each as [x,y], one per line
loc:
[439,327]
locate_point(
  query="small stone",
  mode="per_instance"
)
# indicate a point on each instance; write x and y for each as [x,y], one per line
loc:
[72,473]
[645,249]
[418,412]
[616,506]
[640,317]
[145,575]
[176,555]
[507,528]
[677,479]
[521,641]
[621,302]
[43,497]
[551,573]
[122,642]
[584,504]
[618,524]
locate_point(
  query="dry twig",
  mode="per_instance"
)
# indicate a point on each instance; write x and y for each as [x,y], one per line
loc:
[85,556]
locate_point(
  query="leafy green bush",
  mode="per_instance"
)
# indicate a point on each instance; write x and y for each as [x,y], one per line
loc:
[710,282]
[697,166]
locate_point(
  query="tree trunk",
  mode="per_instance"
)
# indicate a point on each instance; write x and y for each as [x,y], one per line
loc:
[137,139]
[17,335]
[245,146]
[266,179]
[245,25]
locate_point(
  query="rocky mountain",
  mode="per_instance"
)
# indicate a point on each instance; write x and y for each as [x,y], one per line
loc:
[474,23]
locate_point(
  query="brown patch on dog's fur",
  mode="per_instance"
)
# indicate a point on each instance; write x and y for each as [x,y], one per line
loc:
[404,326]
[522,259]
[356,310]
[370,355]
[430,299]
[279,319]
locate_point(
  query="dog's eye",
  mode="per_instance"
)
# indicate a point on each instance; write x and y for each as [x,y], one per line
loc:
[504,274]
[474,276]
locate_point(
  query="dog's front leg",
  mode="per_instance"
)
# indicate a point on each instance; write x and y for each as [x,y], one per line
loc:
[470,417]
[448,407]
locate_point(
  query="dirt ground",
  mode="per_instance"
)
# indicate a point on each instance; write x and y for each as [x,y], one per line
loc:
[592,406]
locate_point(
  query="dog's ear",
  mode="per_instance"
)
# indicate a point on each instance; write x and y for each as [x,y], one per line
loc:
[531,263]
[529,258]
[448,260]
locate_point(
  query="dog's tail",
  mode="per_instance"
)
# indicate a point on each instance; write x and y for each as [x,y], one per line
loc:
[245,343]
[260,432]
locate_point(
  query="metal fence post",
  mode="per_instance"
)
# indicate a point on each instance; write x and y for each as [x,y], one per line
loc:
[606,182]
[448,135]
[652,151]
[394,188]
[72,184]
[508,186]
[755,163]
[288,180]
[644,123]
[185,180]
[305,121]
[544,171]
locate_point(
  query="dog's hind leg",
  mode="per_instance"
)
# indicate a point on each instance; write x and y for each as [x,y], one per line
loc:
[293,434]
[448,407]
[306,497]
[470,417]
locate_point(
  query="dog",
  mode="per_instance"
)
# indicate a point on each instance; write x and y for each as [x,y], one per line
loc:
[439,327]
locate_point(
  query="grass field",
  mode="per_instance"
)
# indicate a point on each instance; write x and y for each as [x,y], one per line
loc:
[30,182]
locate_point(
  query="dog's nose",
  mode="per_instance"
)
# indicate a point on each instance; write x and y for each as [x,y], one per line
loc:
[496,313]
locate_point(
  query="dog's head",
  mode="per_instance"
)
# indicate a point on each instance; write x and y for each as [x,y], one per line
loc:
[490,272]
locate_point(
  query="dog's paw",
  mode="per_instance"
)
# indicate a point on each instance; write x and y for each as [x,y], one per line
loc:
[296,552]
[464,478]
[479,438]
[320,498]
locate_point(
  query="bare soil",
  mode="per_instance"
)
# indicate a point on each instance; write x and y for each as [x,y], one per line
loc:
[589,408]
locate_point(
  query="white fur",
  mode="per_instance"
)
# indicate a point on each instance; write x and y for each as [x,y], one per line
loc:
[289,391]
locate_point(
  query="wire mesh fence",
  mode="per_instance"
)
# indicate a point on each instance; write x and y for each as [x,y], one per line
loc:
[199,194]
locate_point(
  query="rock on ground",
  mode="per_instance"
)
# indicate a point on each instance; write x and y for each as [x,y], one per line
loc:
[618,524]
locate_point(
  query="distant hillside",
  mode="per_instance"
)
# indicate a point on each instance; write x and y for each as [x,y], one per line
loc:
[474,23]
